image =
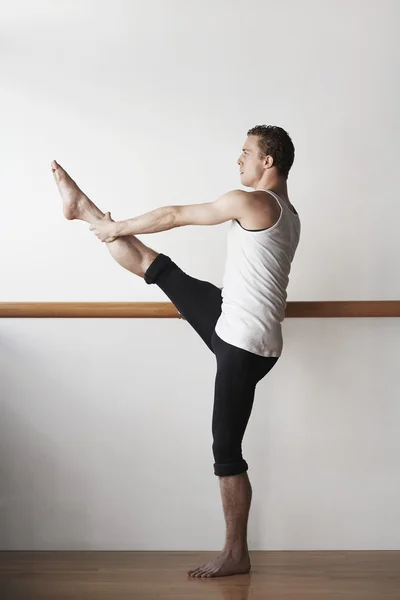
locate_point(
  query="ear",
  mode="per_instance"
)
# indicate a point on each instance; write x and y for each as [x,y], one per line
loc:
[268,161]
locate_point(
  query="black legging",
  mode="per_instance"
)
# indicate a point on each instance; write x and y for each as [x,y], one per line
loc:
[238,371]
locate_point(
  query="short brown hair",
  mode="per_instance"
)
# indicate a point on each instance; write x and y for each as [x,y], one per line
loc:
[275,141]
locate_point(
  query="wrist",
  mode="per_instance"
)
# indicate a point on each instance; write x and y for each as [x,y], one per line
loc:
[121,229]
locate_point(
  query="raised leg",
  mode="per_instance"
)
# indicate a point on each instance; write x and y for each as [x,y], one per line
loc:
[129,252]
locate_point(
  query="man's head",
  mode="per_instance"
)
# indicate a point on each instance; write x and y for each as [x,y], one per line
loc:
[268,149]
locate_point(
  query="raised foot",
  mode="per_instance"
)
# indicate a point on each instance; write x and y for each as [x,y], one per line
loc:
[223,565]
[76,205]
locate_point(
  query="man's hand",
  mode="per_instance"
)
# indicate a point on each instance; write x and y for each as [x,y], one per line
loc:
[105,229]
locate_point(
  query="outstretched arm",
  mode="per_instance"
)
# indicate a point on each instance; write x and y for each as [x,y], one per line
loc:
[227,207]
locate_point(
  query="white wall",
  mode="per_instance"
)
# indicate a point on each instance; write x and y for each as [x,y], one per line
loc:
[105,438]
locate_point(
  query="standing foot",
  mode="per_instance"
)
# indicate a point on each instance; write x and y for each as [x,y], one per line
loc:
[223,565]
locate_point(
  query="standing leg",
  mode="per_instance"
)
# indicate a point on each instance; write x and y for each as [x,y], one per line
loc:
[234,559]
[128,251]
[234,395]
[238,373]
[236,494]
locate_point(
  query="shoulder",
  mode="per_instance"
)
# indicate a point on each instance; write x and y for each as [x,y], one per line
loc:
[249,199]
[254,196]
[258,200]
[260,210]
[234,201]
[250,207]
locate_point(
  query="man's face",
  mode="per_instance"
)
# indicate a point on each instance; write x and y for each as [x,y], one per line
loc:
[250,165]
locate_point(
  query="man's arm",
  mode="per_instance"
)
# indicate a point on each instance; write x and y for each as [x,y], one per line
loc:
[227,207]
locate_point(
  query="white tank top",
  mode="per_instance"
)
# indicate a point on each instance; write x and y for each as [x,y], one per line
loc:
[254,284]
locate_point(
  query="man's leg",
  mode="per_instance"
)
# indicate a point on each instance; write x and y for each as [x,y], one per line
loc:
[234,395]
[238,373]
[236,496]
[128,251]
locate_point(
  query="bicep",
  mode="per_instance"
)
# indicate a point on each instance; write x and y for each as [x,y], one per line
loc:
[227,207]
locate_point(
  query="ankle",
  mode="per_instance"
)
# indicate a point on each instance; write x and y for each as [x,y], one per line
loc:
[237,550]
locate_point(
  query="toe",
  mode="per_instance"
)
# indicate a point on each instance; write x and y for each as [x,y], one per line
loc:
[215,572]
[56,170]
[196,572]
[211,572]
[207,569]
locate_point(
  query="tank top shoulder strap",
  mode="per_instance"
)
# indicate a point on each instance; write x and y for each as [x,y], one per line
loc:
[281,203]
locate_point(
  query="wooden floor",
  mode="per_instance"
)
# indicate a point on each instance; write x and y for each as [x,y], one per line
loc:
[162,575]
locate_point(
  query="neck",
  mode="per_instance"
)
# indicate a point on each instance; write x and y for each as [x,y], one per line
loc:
[275,184]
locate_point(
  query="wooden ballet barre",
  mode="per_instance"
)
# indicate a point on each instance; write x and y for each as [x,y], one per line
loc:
[166,310]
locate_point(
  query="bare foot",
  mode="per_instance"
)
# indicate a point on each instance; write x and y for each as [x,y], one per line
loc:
[75,203]
[223,565]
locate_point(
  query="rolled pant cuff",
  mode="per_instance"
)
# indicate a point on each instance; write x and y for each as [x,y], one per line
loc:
[157,266]
[229,469]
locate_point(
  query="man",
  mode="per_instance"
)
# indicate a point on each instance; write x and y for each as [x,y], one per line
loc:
[242,324]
